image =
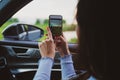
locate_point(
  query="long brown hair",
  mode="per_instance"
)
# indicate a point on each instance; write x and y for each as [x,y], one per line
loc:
[92,43]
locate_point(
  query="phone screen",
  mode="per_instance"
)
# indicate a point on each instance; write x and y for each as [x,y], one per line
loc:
[55,24]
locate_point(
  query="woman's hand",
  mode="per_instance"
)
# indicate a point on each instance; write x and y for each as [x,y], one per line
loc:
[61,45]
[47,47]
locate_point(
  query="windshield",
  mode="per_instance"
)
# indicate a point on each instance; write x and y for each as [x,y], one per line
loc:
[37,13]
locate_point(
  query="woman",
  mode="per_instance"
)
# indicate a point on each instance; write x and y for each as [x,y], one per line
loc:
[47,50]
[92,43]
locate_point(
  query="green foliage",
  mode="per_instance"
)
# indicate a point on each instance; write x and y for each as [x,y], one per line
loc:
[3,27]
[43,26]
[69,27]
[73,40]
[64,22]
[46,21]
[13,20]
[37,22]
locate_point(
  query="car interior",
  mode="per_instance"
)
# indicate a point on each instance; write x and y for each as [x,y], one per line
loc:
[23,25]
[19,53]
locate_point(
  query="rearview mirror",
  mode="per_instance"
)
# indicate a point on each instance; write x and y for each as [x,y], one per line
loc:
[23,32]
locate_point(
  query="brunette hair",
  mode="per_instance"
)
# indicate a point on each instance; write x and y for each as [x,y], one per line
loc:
[92,40]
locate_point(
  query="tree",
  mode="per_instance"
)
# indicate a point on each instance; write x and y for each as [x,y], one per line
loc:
[14,20]
[46,21]
[64,21]
[37,22]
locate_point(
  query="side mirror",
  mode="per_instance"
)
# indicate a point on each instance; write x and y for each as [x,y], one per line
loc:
[22,32]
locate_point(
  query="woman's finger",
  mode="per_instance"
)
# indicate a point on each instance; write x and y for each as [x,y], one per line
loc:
[45,45]
[60,39]
[63,36]
[49,33]
[42,45]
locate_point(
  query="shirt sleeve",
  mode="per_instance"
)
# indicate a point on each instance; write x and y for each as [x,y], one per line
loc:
[44,69]
[67,67]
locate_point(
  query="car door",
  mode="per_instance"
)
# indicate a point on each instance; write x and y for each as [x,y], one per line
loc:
[21,57]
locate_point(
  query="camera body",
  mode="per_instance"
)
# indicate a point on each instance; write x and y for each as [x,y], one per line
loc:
[55,24]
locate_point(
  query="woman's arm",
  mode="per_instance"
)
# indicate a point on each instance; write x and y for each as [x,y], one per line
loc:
[47,51]
[67,67]
[66,58]
[44,69]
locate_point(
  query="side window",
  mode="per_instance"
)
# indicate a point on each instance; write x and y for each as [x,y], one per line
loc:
[31,28]
[37,13]
[20,29]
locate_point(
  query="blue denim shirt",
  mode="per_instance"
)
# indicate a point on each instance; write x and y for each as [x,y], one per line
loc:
[44,69]
[45,66]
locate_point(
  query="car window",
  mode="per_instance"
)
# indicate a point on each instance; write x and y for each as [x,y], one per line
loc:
[31,28]
[37,13]
[21,29]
